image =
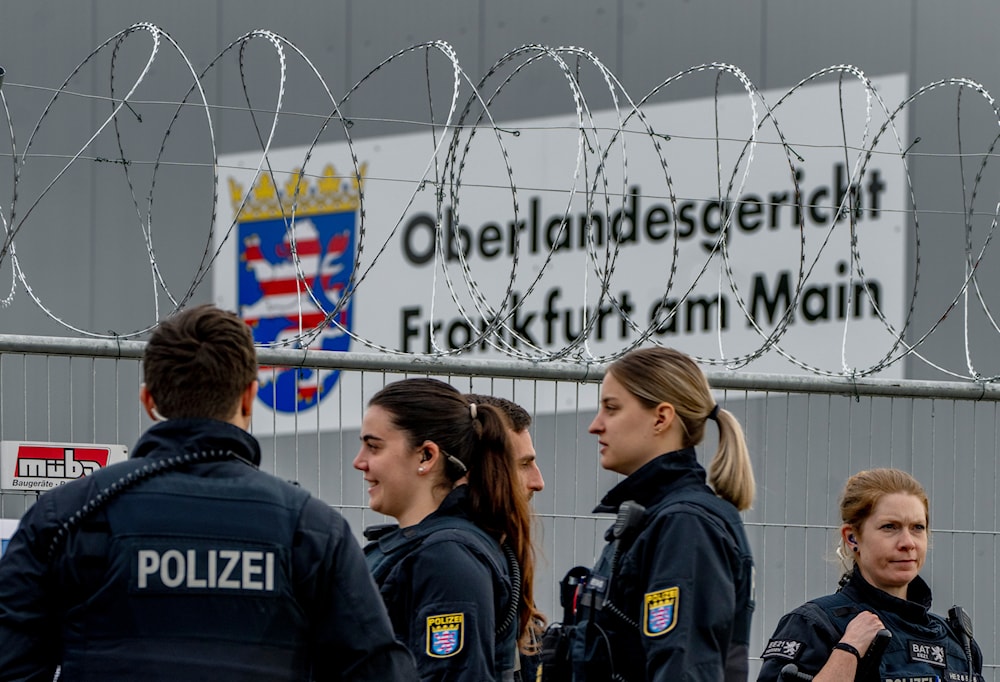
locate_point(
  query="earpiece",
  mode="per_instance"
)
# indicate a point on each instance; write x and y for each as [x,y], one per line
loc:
[426,457]
[850,539]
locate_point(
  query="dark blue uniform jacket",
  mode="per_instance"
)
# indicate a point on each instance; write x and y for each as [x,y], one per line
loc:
[923,646]
[447,586]
[683,586]
[210,570]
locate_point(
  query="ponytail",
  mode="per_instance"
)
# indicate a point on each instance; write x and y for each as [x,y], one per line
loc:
[500,506]
[730,473]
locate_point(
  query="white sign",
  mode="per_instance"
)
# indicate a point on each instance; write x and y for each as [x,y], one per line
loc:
[41,466]
[7,529]
[795,284]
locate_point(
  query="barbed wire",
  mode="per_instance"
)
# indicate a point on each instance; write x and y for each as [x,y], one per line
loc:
[612,129]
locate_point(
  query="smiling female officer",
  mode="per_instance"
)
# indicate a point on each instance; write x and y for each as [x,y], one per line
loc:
[456,573]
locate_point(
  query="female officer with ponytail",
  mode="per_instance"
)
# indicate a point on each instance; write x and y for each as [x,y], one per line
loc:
[671,597]
[456,573]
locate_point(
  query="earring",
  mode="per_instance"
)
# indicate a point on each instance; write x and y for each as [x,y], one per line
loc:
[420,470]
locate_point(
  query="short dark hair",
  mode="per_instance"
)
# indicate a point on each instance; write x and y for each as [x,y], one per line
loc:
[517,417]
[198,362]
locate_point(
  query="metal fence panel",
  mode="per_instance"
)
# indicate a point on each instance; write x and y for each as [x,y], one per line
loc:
[806,436]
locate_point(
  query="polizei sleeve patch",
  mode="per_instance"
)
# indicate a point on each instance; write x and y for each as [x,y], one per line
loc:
[782,648]
[445,634]
[660,611]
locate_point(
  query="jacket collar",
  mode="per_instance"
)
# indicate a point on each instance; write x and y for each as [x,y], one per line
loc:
[178,436]
[390,537]
[914,608]
[655,479]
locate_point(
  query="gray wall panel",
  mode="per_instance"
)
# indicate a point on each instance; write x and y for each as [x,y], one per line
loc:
[955,39]
[50,242]
[661,39]
[801,38]
[180,214]
[319,30]
[950,41]
[399,92]
[541,89]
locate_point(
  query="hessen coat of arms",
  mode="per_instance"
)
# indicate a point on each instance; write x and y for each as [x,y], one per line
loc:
[296,252]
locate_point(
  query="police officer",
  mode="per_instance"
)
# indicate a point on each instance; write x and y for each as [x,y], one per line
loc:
[883,543]
[456,573]
[187,562]
[518,421]
[670,598]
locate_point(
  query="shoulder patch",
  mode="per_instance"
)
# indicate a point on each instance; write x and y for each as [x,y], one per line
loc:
[660,611]
[445,634]
[927,652]
[782,648]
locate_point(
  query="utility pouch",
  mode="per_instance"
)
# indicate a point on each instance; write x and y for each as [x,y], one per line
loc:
[556,664]
[556,660]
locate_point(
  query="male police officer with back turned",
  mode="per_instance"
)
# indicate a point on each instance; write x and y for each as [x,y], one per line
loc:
[186,562]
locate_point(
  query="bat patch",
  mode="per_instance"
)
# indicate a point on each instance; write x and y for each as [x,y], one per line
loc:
[925,652]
